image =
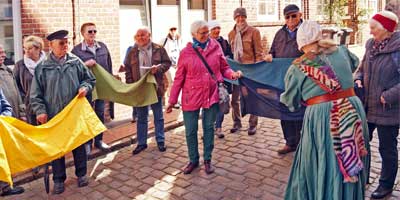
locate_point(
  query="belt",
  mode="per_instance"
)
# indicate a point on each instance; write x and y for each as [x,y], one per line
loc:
[330,97]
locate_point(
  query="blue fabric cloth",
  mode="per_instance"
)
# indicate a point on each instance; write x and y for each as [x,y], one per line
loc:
[142,122]
[261,86]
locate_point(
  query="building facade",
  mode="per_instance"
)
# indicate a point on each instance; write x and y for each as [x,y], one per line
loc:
[117,20]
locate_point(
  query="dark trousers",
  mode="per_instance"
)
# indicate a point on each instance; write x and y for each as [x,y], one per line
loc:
[80,161]
[291,132]
[190,119]
[387,136]
[98,106]
[235,103]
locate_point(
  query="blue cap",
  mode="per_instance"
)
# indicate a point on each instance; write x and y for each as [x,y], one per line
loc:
[61,34]
[291,8]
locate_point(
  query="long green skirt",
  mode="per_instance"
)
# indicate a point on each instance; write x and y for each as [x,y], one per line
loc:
[315,173]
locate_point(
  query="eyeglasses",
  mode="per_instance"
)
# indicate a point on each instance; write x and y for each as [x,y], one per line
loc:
[291,16]
[92,31]
[204,33]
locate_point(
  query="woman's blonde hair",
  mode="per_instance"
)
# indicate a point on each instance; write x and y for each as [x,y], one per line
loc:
[33,41]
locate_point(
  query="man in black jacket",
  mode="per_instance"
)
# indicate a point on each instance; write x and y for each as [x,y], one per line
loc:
[285,46]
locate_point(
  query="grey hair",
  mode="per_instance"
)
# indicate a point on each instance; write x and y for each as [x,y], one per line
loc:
[377,24]
[143,28]
[196,25]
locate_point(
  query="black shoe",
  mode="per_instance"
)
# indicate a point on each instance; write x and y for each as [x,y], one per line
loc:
[58,188]
[83,181]
[139,149]
[101,145]
[88,149]
[208,167]
[161,146]
[13,191]
[190,167]
[381,192]
[235,129]
[252,130]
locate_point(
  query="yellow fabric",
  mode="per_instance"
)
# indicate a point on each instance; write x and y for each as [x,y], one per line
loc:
[23,146]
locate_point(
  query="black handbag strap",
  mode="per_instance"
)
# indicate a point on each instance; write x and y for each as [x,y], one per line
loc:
[205,63]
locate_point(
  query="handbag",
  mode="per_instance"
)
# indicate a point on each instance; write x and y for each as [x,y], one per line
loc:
[223,94]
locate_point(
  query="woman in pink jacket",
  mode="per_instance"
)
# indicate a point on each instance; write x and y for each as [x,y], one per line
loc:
[200,90]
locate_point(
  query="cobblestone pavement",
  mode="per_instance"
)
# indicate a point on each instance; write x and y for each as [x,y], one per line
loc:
[247,167]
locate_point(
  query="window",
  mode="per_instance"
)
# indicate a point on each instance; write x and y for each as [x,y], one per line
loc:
[197,4]
[287,2]
[267,10]
[373,6]
[6,30]
[321,6]
[167,2]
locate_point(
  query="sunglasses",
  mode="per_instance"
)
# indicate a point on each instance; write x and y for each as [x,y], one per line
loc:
[293,16]
[62,43]
[92,31]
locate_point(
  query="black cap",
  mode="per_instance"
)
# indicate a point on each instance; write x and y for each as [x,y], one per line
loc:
[291,8]
[61,34]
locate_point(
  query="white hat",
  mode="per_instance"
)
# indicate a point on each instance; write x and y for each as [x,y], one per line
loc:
[213,24]
[308,32]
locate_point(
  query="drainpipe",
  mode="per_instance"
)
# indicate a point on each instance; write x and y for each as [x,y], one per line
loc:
[241,3]
[73,22]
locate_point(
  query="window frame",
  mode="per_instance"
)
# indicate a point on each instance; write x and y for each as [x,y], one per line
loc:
[268,18]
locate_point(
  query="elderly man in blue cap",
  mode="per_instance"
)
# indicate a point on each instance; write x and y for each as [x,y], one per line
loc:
[284,45]
[57,80]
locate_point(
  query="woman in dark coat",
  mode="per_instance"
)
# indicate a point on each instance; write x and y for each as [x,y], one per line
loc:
[379,75]
[25,69]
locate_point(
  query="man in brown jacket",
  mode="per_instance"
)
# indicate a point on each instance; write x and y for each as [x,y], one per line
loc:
[246,46]
[146,56]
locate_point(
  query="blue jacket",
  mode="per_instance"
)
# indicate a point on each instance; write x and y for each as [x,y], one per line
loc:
[5,107]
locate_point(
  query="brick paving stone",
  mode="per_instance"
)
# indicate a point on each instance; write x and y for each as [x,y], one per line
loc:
[247,167]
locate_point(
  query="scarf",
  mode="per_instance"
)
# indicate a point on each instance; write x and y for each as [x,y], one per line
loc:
[31,64]
[238,43]
[345,123]
[145,58]
[197,43]
[378,47]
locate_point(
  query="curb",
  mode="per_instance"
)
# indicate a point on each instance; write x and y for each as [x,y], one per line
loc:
[27,176]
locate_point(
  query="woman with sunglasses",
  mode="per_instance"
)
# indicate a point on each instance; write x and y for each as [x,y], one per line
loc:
[94,52]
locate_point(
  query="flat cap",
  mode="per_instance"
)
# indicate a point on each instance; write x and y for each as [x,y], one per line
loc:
[60,34]
[291,8]
[239,12]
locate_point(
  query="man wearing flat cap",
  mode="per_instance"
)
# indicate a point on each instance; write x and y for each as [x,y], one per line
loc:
[246,46]
[57,80]
[285,45]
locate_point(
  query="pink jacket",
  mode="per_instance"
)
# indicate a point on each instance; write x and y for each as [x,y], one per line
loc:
[199,89]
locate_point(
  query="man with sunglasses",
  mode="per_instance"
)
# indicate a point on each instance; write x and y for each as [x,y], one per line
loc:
[284,45]
[91,52]
[58,79]
[246,46]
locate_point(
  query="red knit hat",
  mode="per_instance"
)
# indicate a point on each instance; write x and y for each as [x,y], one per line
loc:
[386,21]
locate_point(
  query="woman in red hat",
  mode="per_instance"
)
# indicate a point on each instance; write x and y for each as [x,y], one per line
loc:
[379,75]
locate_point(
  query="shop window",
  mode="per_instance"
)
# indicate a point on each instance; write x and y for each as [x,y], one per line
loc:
[167,2]
[6,30]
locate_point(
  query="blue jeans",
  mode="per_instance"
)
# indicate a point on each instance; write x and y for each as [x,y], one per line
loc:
[219,120]
[142,122]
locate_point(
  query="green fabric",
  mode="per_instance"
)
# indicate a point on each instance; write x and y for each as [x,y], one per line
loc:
[315,174]
[139,94]
[190,119]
